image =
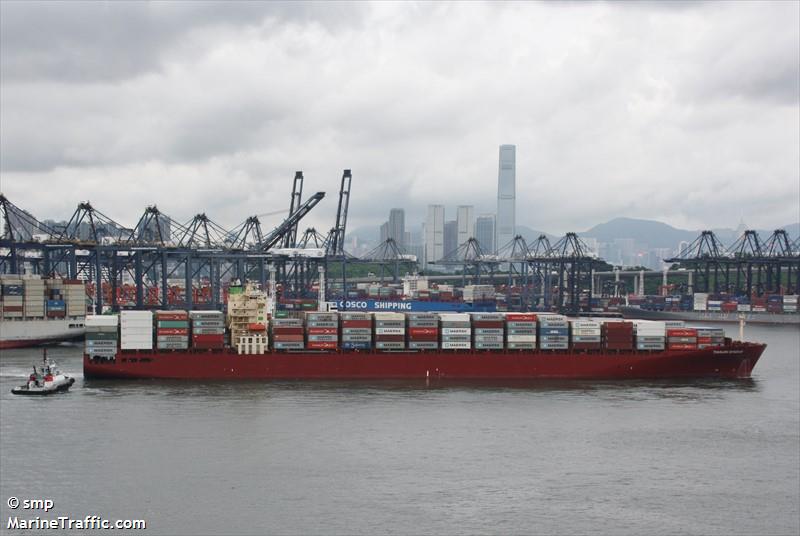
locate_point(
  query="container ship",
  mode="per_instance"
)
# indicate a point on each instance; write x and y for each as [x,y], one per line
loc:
[249,344]
[704,307]
[37,311]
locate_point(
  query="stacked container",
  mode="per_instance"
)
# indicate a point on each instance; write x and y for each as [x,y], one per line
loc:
[136,330]
[553,332]
[356,331]
[487,331]
[287,334]
[700,301]
[708,337]
[423,331]
[521,331]
[456,331]
[208,330]
[478,293]
[775,304]
[322,330]
[12,297]
[758,305]
[650,335]
[790,303]
[34,297]
[681,339]
[586,334]
[172,330]
[743,304]
[715,305]
[56,308]
[618,335]
[390,331]
[101,336]
[75,297]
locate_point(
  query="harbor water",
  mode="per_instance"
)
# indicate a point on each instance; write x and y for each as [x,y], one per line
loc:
[572,457]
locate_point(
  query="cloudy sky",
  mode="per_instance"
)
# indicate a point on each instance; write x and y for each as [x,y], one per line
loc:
[684,112]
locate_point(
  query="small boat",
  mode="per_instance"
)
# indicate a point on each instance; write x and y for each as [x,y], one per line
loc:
[46,380]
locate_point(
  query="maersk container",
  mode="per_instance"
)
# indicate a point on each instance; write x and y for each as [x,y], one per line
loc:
[455,345]
[423,345]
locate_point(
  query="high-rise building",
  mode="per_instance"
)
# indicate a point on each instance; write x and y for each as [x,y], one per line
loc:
[434,233]
[450,237]
[506,196]
[384,231]
[397,226]
[466,223]
[484,232]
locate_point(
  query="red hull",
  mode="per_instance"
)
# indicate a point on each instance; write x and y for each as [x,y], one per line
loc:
[735,361]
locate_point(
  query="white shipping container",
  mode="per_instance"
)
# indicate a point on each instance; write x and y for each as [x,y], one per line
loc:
[101,320]
[456,331]
[521,338]
[135,323]
[136,345]
[588,324]
[389,316]
[454,317]
[390,331]
[456,345]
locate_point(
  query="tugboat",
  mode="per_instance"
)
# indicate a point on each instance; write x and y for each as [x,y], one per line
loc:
[45,381]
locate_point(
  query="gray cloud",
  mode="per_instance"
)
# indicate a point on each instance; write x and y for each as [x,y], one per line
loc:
[650,110]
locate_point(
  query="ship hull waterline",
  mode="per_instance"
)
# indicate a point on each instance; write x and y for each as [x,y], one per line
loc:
[736,361]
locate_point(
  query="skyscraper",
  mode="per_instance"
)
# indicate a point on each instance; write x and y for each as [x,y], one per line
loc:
[450,237]
[397,226]
[384,231]
[506,196]
[465,218]
[484,232]
[434,233]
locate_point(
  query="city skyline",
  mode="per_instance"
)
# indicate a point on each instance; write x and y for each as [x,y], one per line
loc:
[189,115]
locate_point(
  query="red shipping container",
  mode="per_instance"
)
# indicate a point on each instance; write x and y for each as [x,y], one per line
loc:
[256,327]
[703,340]
[321,345]
[288,338]
[208,337]
[521,317]
[287,331]
[176,315]
[415,332]
[486,324]
[730,307]
[172,331]
[681,332]
[356,323]
[682,346]
[390,338]
[18,308]
[322,331]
